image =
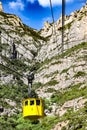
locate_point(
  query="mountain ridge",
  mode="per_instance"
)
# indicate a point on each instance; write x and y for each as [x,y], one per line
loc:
[60,77]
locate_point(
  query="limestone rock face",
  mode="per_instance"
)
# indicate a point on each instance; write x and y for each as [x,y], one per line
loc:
[75,32]
[1,8]
[46,26]
[27,42]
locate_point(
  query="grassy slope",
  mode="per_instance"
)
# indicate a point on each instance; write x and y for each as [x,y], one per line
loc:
[17,122]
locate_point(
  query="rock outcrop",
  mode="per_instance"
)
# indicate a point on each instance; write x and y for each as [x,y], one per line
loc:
[75,32]
[1,8]
[27,42]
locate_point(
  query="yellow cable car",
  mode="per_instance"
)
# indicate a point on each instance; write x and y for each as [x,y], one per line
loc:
[33,108]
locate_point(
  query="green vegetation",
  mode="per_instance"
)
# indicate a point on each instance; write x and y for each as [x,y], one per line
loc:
[75,48]
[56,62]
[77,120]
[67,26]
[50,90]
[13,92]
[52,74]
[51,83]
[65,70]
[40,85]
[15,67]
[35,66]
[47,104]
[37,85]
[34,53]
[17,122]
[3,46]
[33,33]
[3,14]
[79,73]
[60,97]
[84,57]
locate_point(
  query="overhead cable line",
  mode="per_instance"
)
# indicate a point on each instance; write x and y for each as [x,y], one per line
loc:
[18,74]
[11,70]
[63,41]
[63,15]
[29,77]
[54,28]
[52,11]
[53,18]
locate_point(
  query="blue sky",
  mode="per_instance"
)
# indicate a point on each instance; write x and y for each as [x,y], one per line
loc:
[35,12]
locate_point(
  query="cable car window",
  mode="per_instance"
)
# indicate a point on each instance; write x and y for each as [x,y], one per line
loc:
[37,102]
[32,102]
[26,103]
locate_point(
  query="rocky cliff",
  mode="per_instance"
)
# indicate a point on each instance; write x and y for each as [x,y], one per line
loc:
[75,32]
[60,71]
[26,40]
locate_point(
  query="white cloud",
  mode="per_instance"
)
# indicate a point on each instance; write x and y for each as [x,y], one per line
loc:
[46,3]
[17,5]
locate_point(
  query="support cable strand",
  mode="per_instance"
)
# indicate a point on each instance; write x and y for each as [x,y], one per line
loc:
[63,14]
[55,34]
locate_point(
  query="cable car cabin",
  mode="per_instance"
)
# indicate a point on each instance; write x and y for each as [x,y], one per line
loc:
[33,108]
